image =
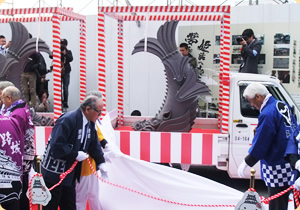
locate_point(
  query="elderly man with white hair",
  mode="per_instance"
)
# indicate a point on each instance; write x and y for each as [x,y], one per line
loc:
[272,142]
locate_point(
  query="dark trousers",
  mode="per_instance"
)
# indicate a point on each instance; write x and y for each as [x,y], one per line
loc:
[24,202]
[13,202]
[62,196]
[280,203]
[65,88]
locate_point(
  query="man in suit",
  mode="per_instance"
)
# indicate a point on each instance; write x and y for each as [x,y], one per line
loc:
[250,51]
[72,137]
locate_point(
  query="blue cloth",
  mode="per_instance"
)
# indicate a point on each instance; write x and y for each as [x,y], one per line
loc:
[64,144]
[273,140]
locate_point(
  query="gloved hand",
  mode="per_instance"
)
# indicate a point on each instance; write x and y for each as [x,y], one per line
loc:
[31,174]
[297,184]
[242,168]
[81,156]
[103,170]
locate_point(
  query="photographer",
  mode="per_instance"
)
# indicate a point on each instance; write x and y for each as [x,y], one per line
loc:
[250,51]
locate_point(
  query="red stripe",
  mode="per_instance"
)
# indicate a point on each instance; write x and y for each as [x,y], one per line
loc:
[165,152]
[207,149]
[125,142]
[186,148]
[145,146]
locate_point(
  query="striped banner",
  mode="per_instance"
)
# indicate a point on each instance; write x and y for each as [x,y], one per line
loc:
[187,148]
[164,9]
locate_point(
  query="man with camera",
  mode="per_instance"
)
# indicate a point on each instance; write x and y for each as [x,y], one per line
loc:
[250,51]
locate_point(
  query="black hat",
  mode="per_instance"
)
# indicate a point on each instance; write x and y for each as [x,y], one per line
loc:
[64,42]
[248,33]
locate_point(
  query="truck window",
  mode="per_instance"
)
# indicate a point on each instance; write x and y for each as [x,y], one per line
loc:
[248,111]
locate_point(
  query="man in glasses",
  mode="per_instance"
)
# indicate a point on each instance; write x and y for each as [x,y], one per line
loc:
[72,137]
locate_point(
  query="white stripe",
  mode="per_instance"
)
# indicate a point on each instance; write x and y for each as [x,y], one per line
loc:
[215,149]
[117,133]
[196,148]
[40,140]
[175,147]
[135,144]
[155,146]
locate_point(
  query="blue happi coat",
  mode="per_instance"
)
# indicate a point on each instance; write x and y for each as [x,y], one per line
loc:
[273,141]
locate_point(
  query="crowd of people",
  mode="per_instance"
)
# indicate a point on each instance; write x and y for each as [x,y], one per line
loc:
[76,135]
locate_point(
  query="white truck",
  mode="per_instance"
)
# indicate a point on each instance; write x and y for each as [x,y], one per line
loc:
[205,144]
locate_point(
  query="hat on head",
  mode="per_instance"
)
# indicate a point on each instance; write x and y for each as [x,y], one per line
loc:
[248,32]
[64,42]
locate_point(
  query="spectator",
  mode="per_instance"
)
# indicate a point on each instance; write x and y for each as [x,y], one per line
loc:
[66,58]
[43,105]
[3,45]
[29,77]
[272,142]
[185,51]
[250,52]
[17,110]
[72,136]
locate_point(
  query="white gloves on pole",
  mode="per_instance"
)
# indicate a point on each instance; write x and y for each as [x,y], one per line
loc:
[242,168]
[104,171]
[81,156]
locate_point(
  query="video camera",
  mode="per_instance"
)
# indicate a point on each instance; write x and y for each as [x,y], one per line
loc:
[240,38]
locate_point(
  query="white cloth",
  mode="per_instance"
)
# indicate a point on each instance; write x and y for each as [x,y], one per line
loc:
[159,181]
[88,190]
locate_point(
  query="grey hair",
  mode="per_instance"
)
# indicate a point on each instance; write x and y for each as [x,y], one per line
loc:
[13,92]
[91,99]
[255,88]
[5,84]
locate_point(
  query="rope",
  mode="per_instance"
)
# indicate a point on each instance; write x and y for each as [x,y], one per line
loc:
[151,196]
[63,176]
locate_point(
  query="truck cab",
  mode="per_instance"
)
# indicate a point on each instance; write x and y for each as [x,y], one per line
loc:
[243,117]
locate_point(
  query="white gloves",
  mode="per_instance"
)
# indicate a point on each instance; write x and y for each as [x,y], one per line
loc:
[81,156]
[297,184]
[31,174]
[104,171]
[242,168]
[111,152]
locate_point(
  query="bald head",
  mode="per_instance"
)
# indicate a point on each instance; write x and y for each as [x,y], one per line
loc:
[10,95]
